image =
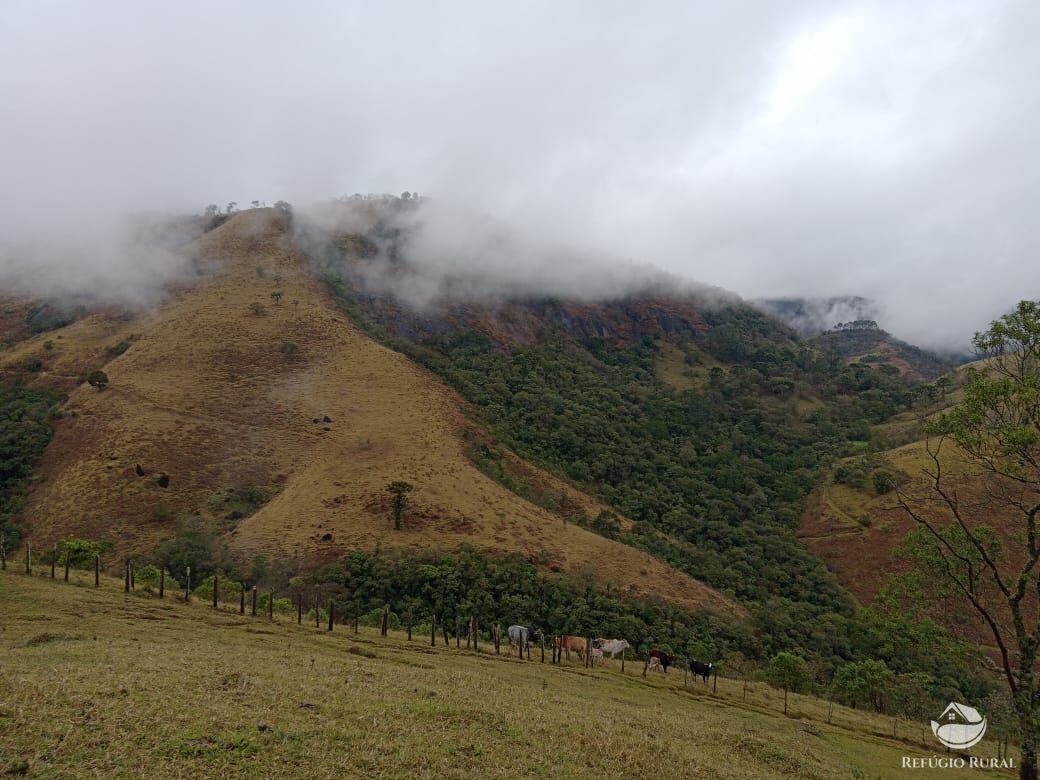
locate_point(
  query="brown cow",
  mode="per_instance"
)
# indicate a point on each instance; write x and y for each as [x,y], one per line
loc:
[566,643]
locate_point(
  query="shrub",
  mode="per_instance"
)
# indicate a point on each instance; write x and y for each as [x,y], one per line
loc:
[98,379]
[607,524]
[148,578]
[115,350]
[885,481]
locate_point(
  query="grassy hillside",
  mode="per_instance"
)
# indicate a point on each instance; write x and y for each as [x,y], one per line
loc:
[277,425]
[713,463]
[102,683]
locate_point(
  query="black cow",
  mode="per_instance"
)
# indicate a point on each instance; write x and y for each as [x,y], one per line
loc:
[702,669]
[662,657]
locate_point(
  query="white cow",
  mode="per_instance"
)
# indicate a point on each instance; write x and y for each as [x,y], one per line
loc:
[612,646]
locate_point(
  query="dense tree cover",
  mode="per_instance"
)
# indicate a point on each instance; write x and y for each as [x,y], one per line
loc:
[716,476]
[25,430]
[726,468]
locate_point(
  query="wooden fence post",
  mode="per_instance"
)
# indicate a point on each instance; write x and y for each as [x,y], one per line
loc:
[187,584]
[458,632]
[252,609]
[715,681]
[216,580]
[384,624]
[299,609]
[357,617]
[433,629]
[646,662]
[520,645]
[162,580]
[126,576]
[497,638]
[409,626]
[28,559]
[332,613]
[241,598]
[132,585]
[541,642]
[622,660]
[97,570]
[66,566]
[317,611]
[270,606]
[54,560]
[3,557]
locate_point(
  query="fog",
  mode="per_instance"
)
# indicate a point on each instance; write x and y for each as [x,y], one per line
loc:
[884,150]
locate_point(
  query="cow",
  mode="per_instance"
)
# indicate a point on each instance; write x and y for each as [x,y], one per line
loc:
[596,654]
[655,665]
[662,657]
[566,643]
[522,635]
[612,646]
[702,669]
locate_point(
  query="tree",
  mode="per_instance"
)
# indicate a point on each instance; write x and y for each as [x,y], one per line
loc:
[787,671]
[211,210]
[884,481]
[98,379]
[276,296]
[984,462]
[399,491]
[865,681]
[284,208]
[255,204]
[943,384]
[231,207]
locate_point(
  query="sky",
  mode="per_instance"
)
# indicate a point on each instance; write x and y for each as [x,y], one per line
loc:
[883,149]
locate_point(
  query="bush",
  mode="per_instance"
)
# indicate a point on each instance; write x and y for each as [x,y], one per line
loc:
[115,350]
[228,590]
[81,552]
[607,524]
[885,481]
[98,379]
[374,619]
[148,578]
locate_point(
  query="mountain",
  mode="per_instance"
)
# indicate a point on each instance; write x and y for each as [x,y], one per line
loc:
[848,325]
[863,341]
[275,424]
[642,461]
[813,316]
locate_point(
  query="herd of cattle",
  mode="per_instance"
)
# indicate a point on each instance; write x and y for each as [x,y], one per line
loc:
[657,660]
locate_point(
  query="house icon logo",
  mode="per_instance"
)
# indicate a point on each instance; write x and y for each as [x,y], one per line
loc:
[959,727]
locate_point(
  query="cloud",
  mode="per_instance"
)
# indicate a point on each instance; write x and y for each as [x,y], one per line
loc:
[787,148]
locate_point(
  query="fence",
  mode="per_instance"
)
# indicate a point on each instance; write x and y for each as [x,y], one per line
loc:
[306,602]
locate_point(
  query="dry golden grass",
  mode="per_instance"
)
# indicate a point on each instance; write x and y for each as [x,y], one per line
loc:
[98,683]
[206,395]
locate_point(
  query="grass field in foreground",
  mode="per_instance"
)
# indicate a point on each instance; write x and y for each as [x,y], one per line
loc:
[102,683]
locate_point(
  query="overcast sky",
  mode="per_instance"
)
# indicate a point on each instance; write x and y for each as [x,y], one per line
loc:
[879,149]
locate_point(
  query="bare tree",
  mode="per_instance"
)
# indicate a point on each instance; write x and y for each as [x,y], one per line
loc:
[984,463]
